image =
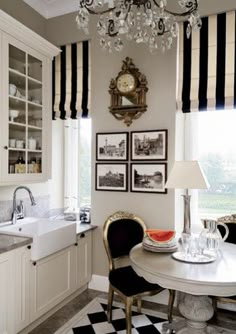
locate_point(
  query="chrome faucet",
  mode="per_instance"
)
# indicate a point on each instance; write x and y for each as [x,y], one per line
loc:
[15,212]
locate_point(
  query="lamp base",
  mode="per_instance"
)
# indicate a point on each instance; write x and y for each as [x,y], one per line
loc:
[187,219]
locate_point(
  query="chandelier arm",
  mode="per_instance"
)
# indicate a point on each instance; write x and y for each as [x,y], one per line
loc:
[147,5]
[193,8]
[111,28]
[128,6]
[101,12]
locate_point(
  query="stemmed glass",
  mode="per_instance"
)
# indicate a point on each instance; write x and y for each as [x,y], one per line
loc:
[202,242]
[185,241]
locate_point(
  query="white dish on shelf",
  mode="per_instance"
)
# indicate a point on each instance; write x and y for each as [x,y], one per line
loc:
[205,258]
[32,143]
[12,142]
[13,113]
[20,143]
[12,89]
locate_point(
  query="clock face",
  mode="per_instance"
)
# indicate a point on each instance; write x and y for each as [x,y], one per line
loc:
[126,83]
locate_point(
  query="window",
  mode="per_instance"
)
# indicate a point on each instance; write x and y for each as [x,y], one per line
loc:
[85,162]
[77,163]
[210,138]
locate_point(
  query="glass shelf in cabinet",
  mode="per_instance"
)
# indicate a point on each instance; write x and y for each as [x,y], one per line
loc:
[35,151]
[17,104]
[35,81]
[17,79]
[17,98]
[17,124]
[16,73]
[34,127]
[15,149]
[35,104]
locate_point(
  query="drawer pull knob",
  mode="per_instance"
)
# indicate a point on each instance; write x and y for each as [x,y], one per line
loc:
[5,147]
[29,247]
[76,244]
[82,235]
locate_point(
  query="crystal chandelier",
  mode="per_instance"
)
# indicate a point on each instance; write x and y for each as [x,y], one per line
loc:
[144,21]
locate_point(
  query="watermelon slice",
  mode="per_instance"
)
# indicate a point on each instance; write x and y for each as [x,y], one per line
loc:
[160,236]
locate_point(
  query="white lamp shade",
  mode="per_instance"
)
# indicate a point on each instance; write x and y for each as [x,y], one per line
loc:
[186,175]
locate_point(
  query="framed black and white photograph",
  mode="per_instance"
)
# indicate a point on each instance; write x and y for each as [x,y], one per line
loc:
[111,177]
[148,178]
[112,146]
[149,145]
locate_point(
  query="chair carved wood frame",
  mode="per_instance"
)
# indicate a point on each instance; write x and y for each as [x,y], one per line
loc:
[230,221]
[119,265]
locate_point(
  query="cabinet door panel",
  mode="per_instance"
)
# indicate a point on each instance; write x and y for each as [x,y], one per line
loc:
[7,306]
[52,280]
[22,288]
[26,131]
[84,260]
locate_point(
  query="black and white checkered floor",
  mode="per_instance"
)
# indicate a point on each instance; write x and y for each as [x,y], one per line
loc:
[93,320]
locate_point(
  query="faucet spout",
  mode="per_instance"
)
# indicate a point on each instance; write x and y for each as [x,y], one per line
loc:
[15,211]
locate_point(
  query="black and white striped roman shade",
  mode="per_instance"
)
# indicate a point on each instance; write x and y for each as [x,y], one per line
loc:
[207,65]
[71,81]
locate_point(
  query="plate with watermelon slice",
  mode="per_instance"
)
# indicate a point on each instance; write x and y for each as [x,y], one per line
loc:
[160,241]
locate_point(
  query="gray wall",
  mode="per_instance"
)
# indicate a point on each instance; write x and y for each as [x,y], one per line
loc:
[25,14]
[156,209]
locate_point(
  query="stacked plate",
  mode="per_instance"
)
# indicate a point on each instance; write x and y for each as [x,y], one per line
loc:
[160,246]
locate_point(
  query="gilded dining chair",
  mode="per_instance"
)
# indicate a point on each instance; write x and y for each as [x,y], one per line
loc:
[230,221]
[121,232]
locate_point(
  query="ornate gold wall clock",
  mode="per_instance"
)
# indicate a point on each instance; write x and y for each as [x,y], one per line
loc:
[128,93]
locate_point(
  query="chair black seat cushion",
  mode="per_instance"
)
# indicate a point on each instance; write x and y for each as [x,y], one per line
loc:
[129,283]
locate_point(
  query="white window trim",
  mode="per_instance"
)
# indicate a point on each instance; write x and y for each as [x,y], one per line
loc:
[71,164]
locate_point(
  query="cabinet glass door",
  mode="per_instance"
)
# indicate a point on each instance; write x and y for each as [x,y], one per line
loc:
[25,112]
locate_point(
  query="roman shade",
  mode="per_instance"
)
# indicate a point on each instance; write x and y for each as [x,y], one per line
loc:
[207,65]
[71,81]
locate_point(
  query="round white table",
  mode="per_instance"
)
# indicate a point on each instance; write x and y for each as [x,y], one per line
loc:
[197,281]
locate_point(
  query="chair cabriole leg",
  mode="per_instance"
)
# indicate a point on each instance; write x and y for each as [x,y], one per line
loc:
[139,304]
[109,306]
[128,313]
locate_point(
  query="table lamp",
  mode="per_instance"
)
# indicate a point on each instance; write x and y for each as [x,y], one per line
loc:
[186,175]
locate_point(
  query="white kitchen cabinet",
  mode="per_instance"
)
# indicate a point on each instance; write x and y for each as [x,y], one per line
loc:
[57,276]
[26,107]
[84,259]
[52,279]
[14,290]
[29,289]
[7,305]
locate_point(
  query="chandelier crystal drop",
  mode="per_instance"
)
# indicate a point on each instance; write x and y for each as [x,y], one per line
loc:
[147,22]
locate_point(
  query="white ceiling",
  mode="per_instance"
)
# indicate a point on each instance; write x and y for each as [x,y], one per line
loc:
[53,8]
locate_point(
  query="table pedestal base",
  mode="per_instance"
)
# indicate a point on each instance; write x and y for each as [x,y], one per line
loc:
[196,310]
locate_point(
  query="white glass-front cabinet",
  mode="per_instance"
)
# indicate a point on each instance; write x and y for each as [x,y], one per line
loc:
[26,109]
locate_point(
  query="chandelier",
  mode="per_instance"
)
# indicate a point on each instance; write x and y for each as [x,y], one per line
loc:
[144,21]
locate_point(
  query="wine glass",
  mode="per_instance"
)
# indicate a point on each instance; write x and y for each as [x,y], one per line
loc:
[202,242]
[185,241]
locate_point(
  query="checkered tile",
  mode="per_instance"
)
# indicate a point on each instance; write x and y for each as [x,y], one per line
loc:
[95,322]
